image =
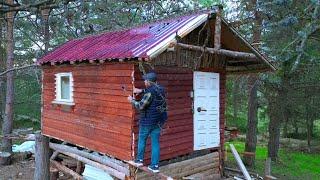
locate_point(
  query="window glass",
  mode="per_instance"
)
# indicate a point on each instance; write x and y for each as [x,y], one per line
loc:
[65,87]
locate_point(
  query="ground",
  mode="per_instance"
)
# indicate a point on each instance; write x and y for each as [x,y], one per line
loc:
[22,170]
[294,162]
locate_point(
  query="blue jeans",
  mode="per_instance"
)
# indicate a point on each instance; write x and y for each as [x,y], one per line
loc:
[154,132]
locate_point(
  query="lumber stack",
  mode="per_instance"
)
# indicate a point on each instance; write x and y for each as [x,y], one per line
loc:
[203,166]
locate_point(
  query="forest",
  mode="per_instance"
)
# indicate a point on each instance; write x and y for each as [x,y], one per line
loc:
[277,113]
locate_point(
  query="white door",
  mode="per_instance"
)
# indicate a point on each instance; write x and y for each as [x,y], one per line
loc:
[206,110]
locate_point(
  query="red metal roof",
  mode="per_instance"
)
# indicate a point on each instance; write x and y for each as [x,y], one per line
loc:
[130,43]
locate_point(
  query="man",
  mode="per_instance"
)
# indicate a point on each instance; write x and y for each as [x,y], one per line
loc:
[153,115]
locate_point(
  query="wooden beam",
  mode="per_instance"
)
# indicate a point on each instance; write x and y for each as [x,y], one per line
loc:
[101,159]
[42,162]
[232,72]
[217,31]
[145,169]
[240,163]
[225,52]
[79,156]
[66,170]
[55,153]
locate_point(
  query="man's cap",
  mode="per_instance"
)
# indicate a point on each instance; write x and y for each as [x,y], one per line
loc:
[151,76]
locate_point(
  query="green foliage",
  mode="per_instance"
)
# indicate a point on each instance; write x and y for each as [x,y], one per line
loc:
[208,3]
[291,165]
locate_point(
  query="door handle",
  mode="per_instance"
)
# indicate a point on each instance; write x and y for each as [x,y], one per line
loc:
[199,109]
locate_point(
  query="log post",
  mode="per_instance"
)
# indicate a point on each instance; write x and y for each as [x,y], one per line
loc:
[217,29]
[42,162]
[79,167]
[5,158]
[54,174]
[217,35]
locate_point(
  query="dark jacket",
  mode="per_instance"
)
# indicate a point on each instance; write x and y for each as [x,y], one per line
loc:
[156,111]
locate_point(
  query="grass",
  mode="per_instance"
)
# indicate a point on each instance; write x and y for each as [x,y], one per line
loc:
[291,165]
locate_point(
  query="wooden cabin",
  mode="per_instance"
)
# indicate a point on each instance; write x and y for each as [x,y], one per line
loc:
[86,83]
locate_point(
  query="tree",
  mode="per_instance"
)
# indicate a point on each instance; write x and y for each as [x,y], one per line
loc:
[8,117]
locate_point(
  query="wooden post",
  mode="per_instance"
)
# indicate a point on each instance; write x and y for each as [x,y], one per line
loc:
[240,163]
[42,162]
[267,168]
[5,158]
[217,29]
[54,174]
[79,167]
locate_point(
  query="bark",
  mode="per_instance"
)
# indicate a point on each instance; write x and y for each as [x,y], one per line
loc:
[2,82]
[42,161]
[225,52]
[285,127]
[66,170]
[235,98]
[308,119]
[8,118]
[45,23]
[274,132]
[251,135]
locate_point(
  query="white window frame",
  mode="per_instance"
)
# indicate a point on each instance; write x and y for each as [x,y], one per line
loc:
[58,99]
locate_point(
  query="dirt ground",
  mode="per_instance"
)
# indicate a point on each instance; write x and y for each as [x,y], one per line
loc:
[19,170]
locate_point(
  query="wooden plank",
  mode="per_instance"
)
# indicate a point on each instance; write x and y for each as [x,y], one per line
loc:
[109,170]
[88,143]
[106,136]
[66,170]
[145,169]
[100,159]
[101,122]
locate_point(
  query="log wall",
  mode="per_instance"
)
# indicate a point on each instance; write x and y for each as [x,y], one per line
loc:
[201,167]
[101,118]
[177,137]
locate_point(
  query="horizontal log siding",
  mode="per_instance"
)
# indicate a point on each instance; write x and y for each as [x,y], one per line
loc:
[101,118]
[177,137]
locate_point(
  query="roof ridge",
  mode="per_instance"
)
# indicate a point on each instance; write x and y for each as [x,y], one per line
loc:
[143,24]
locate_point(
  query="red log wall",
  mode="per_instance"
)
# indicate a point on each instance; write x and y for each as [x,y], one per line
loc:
[177,137]
[101,117]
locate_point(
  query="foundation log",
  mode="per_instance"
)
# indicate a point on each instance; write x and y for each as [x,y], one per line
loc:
[42,163]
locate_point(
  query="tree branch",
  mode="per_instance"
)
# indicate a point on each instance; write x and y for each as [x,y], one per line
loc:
[17,68]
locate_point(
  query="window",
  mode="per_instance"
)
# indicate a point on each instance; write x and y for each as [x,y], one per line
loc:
[64,89]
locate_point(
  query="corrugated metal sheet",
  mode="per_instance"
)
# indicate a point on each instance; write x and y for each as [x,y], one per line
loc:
[130,43]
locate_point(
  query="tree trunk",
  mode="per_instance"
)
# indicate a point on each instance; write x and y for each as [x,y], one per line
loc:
[251,136]
[45,25]
[235,103]
[308,119]
[8,118]
[274,131]
[2,82]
